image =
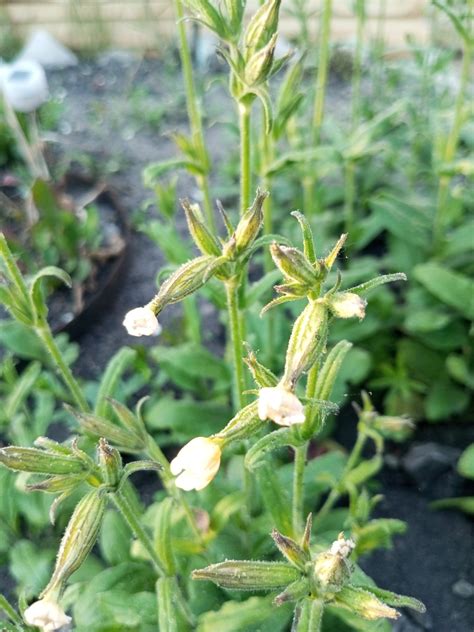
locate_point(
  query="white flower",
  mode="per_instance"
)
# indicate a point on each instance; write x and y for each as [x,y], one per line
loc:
[24,85]
[196,464]
[342,547]
[46,615]
[281,406]
[348,305]
[141,321]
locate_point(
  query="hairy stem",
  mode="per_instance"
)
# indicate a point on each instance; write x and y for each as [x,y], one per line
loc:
[245,165]
[194,112]
[298,490]
[236,343]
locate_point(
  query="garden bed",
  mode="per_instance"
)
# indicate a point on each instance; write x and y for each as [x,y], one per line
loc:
[433,560]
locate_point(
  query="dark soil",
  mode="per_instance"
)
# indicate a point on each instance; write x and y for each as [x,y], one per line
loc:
[433,561]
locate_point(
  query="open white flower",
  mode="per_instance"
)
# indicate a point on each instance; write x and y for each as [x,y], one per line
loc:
[348,305]
[47,615]
[196,464]
[141,321]
[342,547]
[24,85]
[281,406]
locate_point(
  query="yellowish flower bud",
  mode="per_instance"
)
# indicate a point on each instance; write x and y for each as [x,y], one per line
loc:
[46,614]
[281,406]
[331,568]
[196,463]
[141,321]
[348,305]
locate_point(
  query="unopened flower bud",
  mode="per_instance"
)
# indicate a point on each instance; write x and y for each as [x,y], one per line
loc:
[40,461]
[249,575]
[24,85]
[347,305]
[110,463]
[308,332]
[258,67]
[293,264]
[204,240]
[281,406]
[290,549]
[188,278]
[196,463]
[262,376]
[245,423]
[263,25]
[47,615]
[128,439]
[79,538]
[141,321]
[396,428]
[331,568]
[250,223]
[365,604]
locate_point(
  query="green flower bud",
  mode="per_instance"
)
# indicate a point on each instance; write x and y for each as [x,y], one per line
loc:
[188,278]
[110,463]
[331,569]
[294,265]
[242,425]
[308,331]
[365,604]
[259,66]
[248,575]
[79,538]
[395,428]
[98,427]
[263,25]
[290,549]
[294,592]
[250,223]
[40,461]
[204,240]
[262,376]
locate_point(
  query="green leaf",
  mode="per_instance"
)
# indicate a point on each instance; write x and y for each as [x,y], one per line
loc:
[275,498]
[31,566]
[466,462]
[20,391]
[256,613]
[114,370]
[167,611]
[393,599]
[407,221]
[364,471]
[452,288]
[464,503]
[115,539]
[162,534]
[445,399]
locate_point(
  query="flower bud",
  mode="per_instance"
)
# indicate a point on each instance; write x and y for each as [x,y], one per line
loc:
[263,25]
[293,264]
[262,376]
[196,463]
[126,439]
[331,568]
[308,332]
[141,321]
[24,85]
[290,549]
[47,615]
[110,463]
[258,67]
[79,538]
[242,425]
[204,240]
[188,278]
[248,575]
[365,604]
[250,223]
[396,428]
[347,305]
[40,461]
[280,405]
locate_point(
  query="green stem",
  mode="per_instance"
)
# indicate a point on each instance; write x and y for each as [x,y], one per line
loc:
[13,270]
[334,494]
[124,508]
[245,172]
[349,195]
[239,387]
[357,72]
[309,182]
[44,333]
[298,490]
[316,615]
[267,158]
[322,74]
[155,453]
[194,113]
[452,144]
